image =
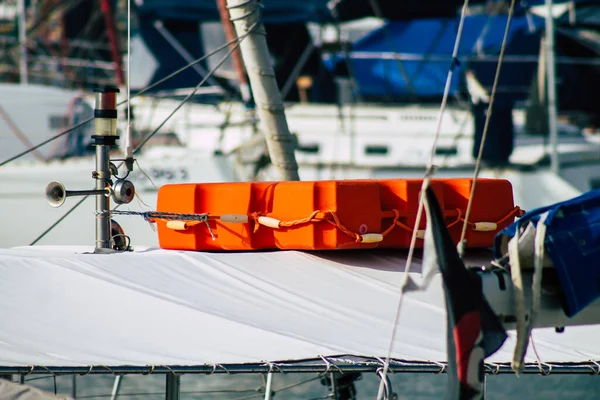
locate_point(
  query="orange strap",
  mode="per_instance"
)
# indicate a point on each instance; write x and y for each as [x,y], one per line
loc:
[328,216]
[410,230]
[313,217]
[333,219]
[515,212]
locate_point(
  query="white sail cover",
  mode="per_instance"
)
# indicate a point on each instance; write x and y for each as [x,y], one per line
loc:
[62,307]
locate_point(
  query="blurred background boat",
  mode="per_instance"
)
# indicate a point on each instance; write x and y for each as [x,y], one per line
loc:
[362,85]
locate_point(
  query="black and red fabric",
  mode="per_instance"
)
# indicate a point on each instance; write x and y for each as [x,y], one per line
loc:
[474,331]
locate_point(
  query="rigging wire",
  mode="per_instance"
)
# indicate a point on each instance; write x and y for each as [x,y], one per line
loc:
[293,385]
[128,135]
[18,133]
[428,173]
[283,388]
[488,117]
[183,392]
[58,221]
[249,397]
[146,89]
[45,142]
[210,73]
[193,92]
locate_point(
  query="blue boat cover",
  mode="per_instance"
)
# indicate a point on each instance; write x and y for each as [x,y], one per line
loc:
[573,244]
[431,42]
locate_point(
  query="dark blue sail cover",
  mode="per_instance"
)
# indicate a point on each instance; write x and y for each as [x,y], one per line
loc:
[424,29]
[573,244]
[431,43]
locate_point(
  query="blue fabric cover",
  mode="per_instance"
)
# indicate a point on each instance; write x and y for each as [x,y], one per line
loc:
[573,244]
[381,78]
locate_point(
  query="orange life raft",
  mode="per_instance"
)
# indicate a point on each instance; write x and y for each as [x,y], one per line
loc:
[326,215]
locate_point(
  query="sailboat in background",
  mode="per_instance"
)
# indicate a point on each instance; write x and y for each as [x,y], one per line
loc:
[219,141]
[271,312]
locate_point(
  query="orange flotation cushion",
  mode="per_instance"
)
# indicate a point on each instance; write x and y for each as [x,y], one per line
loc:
[327,215]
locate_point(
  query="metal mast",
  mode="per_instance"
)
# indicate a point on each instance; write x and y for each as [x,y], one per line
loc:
[246,16]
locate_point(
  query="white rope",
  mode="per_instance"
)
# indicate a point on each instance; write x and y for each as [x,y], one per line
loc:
[428,174]
[146,175]
[461,244]
[388,391]
[537,355]
[525,325]
[596,371]
[519,298]
[538,265]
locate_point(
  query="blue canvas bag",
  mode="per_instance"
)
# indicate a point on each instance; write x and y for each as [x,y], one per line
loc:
[573,244]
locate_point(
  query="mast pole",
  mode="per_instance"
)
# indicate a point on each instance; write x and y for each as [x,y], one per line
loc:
[105,117]
[551,82]
[23,43]
[238,63]
[280,142]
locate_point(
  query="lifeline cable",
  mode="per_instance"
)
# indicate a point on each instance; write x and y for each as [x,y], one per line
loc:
[166,78]
[58,221]
[128,135]
[189,96]
[429,171]
[428,174]
[461,244]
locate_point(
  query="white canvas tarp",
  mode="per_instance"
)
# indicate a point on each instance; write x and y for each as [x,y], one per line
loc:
[62,307]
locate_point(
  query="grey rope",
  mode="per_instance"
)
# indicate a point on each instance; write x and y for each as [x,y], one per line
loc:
[428,174]
[58,221]
[461,244]
[45,142]
[189,96]
[152,215]
[388,392]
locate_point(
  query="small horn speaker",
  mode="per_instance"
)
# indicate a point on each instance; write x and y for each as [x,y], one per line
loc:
[56,194]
